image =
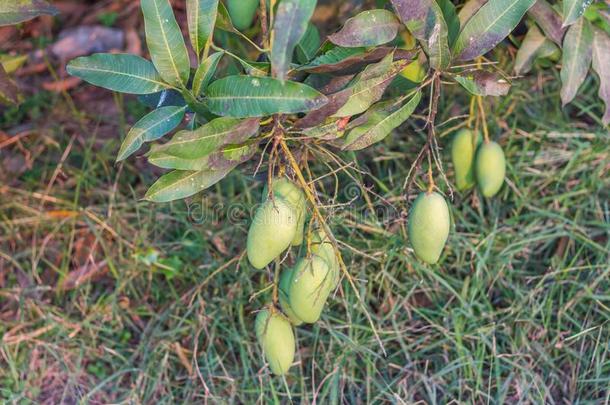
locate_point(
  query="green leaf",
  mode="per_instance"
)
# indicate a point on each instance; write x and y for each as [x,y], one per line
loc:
[601,65]
[573,9]
[17,11]
[150,128]
[469,9]
[534,45]
[118,72]
[548,19]
[223,19]
[576,58]
[165,42]
[205,72]
[210,137]
[424,19]
[381,126]
[228,155]
[201,15]
[369,28]
[181,184]
[308,45]
[243,96]
[490,25]
[451,19]
[290,24]
[482,83]
[9,92]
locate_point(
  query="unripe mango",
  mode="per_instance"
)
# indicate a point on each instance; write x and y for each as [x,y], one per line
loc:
[311,284]
[274,334]
[242,12]
[284,288]
[490,168]
[463,150]
[322,246]
[429,224]
[291,193]
[271,232]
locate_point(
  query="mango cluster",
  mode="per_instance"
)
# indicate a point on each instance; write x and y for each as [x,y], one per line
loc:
[303,289]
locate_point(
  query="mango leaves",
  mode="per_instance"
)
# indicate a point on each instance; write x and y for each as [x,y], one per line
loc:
[534,45]
[576,58]
[483,83]
[184,183]
[369,28]
[9,92]
[201,16]
[572,9]
[601,65]
[17,11]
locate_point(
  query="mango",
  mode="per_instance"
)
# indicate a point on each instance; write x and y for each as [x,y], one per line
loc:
[463,150]
[322,246]
[284,288]
[290,192]
[428,226]
[490,168]
[271,232]
[311,284]
[242,12]
[275,335]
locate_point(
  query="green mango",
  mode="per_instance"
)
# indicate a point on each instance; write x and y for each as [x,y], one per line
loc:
[463,149]
[490,168]
[274,334]
[311,284]
[428,227]
[271,232]
[286,189]
[242,12]
[284,288]
[322,246]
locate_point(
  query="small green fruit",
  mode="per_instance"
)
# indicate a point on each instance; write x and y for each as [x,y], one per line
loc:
[272,230]
[490,168]
[322,246]
[284,288]
[274,334]
[463,151]
[242,12]
[291,193]
[429,224]
[311,284]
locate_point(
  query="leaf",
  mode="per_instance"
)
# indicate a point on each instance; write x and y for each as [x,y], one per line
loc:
[482,83]
[308,45]
[162,99]
[369,28]
[243,96]
[576,58]
[165,42]
[573,9]
[549,20]
[119,72]
[290,24]
[181,184]
[344,61]
[210,137]
[17,11]
[469,9]
[228,155]
[601,65]
[205,72]
[150,128]
[451,19]
[381,128]
[534,45]
[223,19]
[490,25]
[425,21]
[9,92]
[201,15]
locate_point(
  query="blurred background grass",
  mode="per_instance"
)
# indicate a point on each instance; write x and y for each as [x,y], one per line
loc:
[108,299]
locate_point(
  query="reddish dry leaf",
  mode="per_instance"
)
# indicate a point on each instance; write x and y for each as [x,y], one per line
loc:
[62,85]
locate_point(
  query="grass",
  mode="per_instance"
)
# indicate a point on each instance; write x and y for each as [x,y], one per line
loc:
[106,298]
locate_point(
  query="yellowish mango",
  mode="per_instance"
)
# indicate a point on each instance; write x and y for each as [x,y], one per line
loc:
[242,12]
[322,246]
[311,284]
[275,335]
[284,288]
[490,168]
[428,227]
[290,192]
[463,150]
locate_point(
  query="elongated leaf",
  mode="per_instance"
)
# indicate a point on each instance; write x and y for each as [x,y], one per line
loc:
[572,9]
[451,19]
[165,42]
[576,58]
[210,137]
[9,92]
[118,72]
[223,19]
[308,45]
[201,15]
[243,96]
[549,20]
[490,25]
[469,9]
[17,11]
[369,28]
[150,128]
[289,26]
[601,65]
[424,19]
[344,61]
[205,72]
[482,83]
[227,156]
[381,128]
[534,45]
[181,184]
